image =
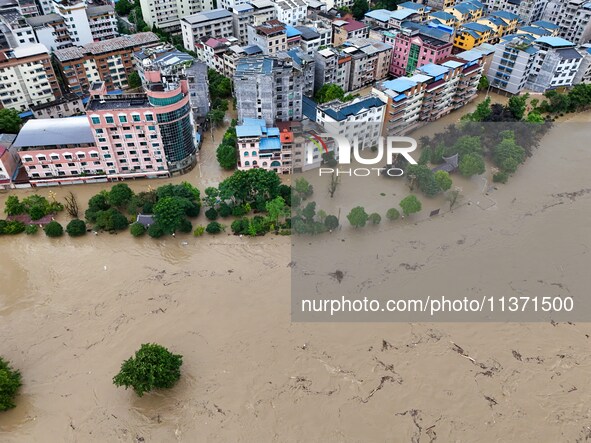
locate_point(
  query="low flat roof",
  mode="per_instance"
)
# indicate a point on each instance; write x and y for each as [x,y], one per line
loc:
[55,131]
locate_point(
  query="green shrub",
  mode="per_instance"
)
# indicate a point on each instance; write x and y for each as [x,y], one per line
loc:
[53,229]
[186,226]
[213,228]
[225,210]
[36,212]
[375,218]
[76,228]
[500,177]
[240,226]
[31,229]
[211,214]
[10,382]
[155,231]
[12,227]
[331,222]
[199,230]
[137,229]
[392,214]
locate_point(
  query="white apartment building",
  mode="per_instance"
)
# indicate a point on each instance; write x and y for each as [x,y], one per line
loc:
[166,14]
[291,12]
[218,23]
[27,77]
[556,65]
[14,30]
[573,17]
[252,13]
[315,35]
[74,15]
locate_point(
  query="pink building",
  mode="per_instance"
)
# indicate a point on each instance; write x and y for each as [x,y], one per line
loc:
[415,49]
[263,147]
[9,161]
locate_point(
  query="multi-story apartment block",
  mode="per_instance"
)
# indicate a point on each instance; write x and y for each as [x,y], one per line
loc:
[165,58]
[472,34]
[421,9]
[27,77]
[260,146]
[67,105]
[431,92]
[370,61]
[584,73]
[217,23]
[556,65]
[305,64]
[14,29]
[271,36]
[314,35]
[539,28]
[527,10]
[358,120]
[167,14]
[413,48]
[521,62]
[56,30]
[573,18]
[333,67]
[501,22]
[9,161]
[291,12]
[268,88]
[343,30]
[443,18]
[110,61]
[467,11]
[253,13]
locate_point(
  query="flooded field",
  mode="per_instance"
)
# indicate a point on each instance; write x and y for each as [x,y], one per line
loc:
[71,310]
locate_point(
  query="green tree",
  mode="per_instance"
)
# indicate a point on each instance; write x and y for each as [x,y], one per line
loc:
[357,217]
[534,117]
[119,195]
[169,212]
[10,122]
[13,206]
[410,205]
[133,79]
[53,229]
[213,228]
[111,220]
[137,229]
[76,228]
[443,180]
[507,155]
[276,209]
[123,7]
[329,92]
[247,186]
[483,83]
[226,155]
[211,197]
[216,117]
[211,214]
[152,367]
[375,218]
[303,188]
[472,164]
[359,8]
[155,231]
[10,382]
[467,144]
[392,214]
[517,105]
[331,222]
[31,229]
[482,113]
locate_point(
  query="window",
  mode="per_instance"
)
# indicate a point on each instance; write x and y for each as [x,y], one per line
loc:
[41,157]
[149,117]
[254,153]
[96,121]
[122,118]
[246,154]
[55,156]
[109,119]
[246,163]
[136,117]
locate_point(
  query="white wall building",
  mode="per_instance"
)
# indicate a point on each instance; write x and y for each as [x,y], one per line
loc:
[166,14]
[291,12]
[217,23]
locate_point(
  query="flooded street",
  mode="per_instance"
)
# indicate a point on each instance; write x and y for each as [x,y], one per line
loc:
[72,309]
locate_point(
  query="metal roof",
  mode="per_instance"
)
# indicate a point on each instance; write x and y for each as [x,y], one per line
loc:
[55,131]
[205,16]
[555,42]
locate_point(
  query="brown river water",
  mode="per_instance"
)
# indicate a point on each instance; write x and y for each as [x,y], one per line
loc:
[71,310]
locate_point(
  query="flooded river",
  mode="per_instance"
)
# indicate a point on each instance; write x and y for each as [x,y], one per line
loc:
[71,310]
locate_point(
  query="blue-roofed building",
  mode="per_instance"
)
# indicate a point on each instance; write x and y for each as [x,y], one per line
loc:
[259,146]
[359,119]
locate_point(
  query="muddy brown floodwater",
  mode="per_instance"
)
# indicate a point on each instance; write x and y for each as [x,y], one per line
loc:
[71,310]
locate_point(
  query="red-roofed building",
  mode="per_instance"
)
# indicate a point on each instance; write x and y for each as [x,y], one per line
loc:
[343,30]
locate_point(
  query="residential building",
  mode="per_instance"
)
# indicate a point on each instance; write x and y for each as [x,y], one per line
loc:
[166,58]
[291,12]
[414,48]
[527,10]
[217,23]
[512,63]
[268,88]
[51,31]
[584,72]
[260,146]
[198,83]
[14,29]
[467,11]
[557,64]
[359,120]
[419,8]
[252,13]
[501,22]
[333,67]
[146,134]
[110,61]
[67,105]
[103,22]
[431,92]
[314,35]
[167,14]
[472,34]
[573,17]
[74,14]
[444,18]
[271,36]
[539,29]
[440,4]
[343,30]
[370,61]
[305,65]
[9,161]
[27,77]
